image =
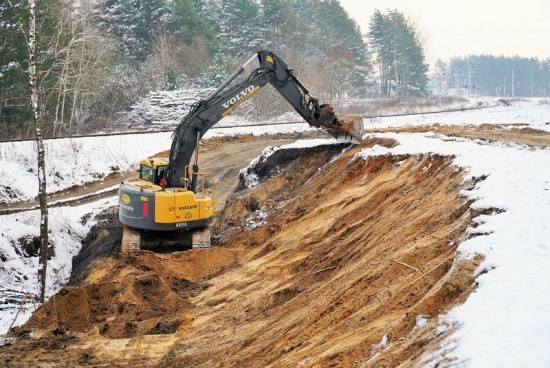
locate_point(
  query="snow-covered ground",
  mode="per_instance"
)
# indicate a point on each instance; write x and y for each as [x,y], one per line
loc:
[529,112]
[504,323]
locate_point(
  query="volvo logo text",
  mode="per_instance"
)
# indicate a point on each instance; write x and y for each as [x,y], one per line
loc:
[239,96]
[183,208]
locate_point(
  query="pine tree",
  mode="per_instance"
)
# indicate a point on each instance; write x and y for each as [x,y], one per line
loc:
[135,23]
[441,76]
[14,106]
[400,56]
[277,19]
[188,23]
[240,34]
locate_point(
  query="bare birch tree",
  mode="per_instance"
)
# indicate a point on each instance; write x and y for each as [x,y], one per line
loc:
[44,242]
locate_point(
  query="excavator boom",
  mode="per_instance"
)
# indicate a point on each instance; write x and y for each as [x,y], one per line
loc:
[208,112]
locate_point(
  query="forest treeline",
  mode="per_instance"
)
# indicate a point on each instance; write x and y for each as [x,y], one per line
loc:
[96,58]
[496,76]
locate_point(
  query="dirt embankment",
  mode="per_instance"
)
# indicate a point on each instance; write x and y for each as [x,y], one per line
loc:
[507,133]
[333,261]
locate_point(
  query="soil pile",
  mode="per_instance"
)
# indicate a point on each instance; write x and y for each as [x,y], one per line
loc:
[333,260]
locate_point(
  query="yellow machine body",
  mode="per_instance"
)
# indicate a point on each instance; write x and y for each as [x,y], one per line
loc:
[148,206]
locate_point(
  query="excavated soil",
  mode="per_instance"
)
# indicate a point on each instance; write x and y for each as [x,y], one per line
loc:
[331,261]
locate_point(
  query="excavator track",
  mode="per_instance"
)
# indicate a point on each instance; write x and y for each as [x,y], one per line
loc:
[134,240]
[201,238]
[131,239]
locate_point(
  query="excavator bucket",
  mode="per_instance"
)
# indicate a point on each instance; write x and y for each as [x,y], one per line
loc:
[342,127]
[350,128]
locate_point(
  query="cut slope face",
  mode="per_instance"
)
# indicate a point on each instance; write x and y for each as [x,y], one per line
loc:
[347,255]
[335,261]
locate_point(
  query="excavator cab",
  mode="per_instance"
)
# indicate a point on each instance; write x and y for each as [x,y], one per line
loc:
[152,170]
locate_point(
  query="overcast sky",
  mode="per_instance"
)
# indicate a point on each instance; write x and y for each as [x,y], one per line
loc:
[469,27]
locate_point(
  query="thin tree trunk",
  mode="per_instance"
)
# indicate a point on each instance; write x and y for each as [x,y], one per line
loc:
[43,257]
[396,76]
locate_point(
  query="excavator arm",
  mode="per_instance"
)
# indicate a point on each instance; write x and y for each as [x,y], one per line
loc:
[209,111]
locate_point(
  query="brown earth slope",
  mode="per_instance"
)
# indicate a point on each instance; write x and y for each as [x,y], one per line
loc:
[508,133]
[329,263]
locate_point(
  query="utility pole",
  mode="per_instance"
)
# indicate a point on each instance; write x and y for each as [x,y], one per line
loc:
[471,84]
[512,83]
[531,81]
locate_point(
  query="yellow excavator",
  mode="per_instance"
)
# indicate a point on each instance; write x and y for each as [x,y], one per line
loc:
[172,202]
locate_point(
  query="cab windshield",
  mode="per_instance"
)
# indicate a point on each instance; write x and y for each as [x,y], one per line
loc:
[146,173]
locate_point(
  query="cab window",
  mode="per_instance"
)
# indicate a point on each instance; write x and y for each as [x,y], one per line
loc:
[160,172]
[146,173]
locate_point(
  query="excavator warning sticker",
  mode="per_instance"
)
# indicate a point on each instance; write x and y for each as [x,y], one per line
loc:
[125,198]
[144,199]
[269,58]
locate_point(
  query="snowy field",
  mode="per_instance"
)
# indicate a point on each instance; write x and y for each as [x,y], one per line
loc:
[504,323]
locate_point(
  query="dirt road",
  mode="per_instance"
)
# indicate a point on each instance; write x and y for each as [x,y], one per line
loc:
[222,156]
[331,262]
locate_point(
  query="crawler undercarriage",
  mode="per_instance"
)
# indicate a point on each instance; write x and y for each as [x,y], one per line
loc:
[135,239]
